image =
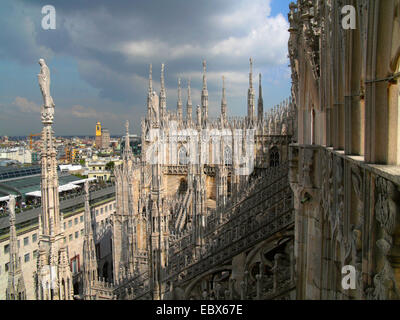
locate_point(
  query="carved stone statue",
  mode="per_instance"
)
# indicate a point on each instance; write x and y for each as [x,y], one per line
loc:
[44,84]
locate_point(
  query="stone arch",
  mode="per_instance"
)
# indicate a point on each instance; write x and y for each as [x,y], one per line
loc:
[192,285]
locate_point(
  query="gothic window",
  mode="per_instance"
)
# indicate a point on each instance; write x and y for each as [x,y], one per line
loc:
[227,156]
[75,264]
[183,156]
[274,157]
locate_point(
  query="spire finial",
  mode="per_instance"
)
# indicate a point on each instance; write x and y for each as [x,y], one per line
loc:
[223,101]
[260,101]
[151,78]
[223,90]
[189,104]
[189,92]
[127,127]
[179,104]
[251,73]
[179,91]
[204,74]
[162,77]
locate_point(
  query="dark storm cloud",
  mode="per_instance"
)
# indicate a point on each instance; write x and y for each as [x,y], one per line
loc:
[114,41]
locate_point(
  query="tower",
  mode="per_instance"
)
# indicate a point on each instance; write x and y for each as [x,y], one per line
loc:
[16,286]
[89,250]
[54,278]
[98,135]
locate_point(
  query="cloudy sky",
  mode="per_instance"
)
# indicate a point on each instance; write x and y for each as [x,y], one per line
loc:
[100,52]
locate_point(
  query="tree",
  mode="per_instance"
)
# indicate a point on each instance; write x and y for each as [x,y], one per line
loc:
[110,166]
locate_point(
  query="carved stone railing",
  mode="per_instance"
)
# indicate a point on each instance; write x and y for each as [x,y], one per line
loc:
[103,290]
[132,286]
[181,170]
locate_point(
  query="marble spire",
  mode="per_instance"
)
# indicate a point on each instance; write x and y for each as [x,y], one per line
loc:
[251,95]
[127,155]
[89,250]
[179,104]
[223,101]
[204,95]
[53,256]
[16,286]
[163,95]
[260,101]
[189,105]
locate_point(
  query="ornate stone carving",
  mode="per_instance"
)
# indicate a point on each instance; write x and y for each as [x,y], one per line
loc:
[386,211]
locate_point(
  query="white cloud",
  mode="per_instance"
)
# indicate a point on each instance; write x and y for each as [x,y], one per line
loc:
[82,112]
[26,106]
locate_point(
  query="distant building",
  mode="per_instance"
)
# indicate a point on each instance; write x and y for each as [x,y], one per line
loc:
[20,154]
[105,138]
[98,135]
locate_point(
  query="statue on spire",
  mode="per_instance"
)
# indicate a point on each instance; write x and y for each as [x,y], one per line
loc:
[44,84]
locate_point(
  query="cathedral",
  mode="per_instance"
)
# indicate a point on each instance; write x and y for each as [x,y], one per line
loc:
[189,184]
[275,205]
